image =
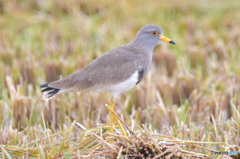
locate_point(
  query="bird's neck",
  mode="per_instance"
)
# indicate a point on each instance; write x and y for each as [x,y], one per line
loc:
[146,46]
[145,50]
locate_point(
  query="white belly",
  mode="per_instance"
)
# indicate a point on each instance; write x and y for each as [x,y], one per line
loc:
[120,87]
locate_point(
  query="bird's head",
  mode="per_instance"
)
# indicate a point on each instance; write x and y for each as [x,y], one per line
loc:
[151,35]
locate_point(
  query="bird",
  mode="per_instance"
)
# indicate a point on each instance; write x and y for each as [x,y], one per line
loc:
[116,71]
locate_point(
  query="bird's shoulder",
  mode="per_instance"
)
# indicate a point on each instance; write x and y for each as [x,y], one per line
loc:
[114,58]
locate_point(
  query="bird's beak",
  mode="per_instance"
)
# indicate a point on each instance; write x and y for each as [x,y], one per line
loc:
[165,39]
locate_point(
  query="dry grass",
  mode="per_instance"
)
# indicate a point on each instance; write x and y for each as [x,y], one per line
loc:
[188,102]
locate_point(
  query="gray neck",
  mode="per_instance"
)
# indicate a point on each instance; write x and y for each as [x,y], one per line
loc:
[145,50]
[145,45]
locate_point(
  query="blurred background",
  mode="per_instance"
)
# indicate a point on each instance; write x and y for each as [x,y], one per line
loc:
[44,40]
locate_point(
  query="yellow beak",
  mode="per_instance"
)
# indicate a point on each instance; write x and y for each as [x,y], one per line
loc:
[165,39]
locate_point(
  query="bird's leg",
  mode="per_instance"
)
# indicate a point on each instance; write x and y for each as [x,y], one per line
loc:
[111,115]
[118,123]
[120,126]
[111,112]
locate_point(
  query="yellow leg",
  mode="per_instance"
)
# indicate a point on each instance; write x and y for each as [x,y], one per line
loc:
[112,115]
[112,107]
[120,126]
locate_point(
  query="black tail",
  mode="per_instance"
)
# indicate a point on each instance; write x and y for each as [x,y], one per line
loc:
[53,91]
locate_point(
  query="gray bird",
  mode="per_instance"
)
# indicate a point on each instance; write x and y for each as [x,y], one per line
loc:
[116,71]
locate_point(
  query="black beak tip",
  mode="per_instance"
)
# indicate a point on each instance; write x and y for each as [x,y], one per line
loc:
[172,42]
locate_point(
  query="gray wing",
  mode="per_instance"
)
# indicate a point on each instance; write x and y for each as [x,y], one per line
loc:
[112,67]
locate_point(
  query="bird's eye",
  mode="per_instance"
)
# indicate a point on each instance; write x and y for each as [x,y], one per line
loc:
[154,33]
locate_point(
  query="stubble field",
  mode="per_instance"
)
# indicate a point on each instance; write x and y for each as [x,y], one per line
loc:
[186,106]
